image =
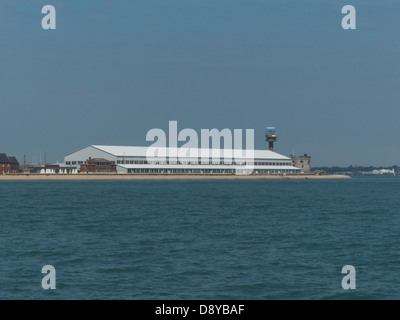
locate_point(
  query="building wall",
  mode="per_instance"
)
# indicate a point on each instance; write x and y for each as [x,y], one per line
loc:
[303,163]
[58,171]
[5,168]
[97,168]
[68,171]
[122,169]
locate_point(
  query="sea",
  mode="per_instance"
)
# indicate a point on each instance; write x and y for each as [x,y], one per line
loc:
[201,239]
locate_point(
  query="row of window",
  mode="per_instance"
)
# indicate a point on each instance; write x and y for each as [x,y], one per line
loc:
[204,163]
[188,162]
[211,171]
[68,163]
[275,171]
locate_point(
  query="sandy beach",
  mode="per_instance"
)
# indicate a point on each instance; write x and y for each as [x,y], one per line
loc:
[55,177]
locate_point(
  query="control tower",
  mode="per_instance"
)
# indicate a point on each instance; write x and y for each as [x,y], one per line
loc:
[270,137]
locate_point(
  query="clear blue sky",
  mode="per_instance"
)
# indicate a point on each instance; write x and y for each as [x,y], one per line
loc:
[112,70]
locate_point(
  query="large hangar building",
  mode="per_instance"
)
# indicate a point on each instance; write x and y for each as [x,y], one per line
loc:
[135,160]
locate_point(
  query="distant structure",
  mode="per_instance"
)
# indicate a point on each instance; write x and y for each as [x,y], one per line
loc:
[270,137]
[98,165]
[302,162]
[8,164]
[133,159]
[49,169]
[383,172]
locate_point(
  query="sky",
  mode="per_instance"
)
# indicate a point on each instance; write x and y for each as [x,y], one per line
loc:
[113,70]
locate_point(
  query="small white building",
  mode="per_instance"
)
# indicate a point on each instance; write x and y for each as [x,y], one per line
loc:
[53,169]
[60,170]
[136,160]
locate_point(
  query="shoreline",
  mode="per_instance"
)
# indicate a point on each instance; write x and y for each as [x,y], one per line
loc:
[88,177]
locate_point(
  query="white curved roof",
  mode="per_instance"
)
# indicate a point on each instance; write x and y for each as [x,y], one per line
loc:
[135,151]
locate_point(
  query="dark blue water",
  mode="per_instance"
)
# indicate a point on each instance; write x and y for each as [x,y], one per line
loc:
[225,239]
